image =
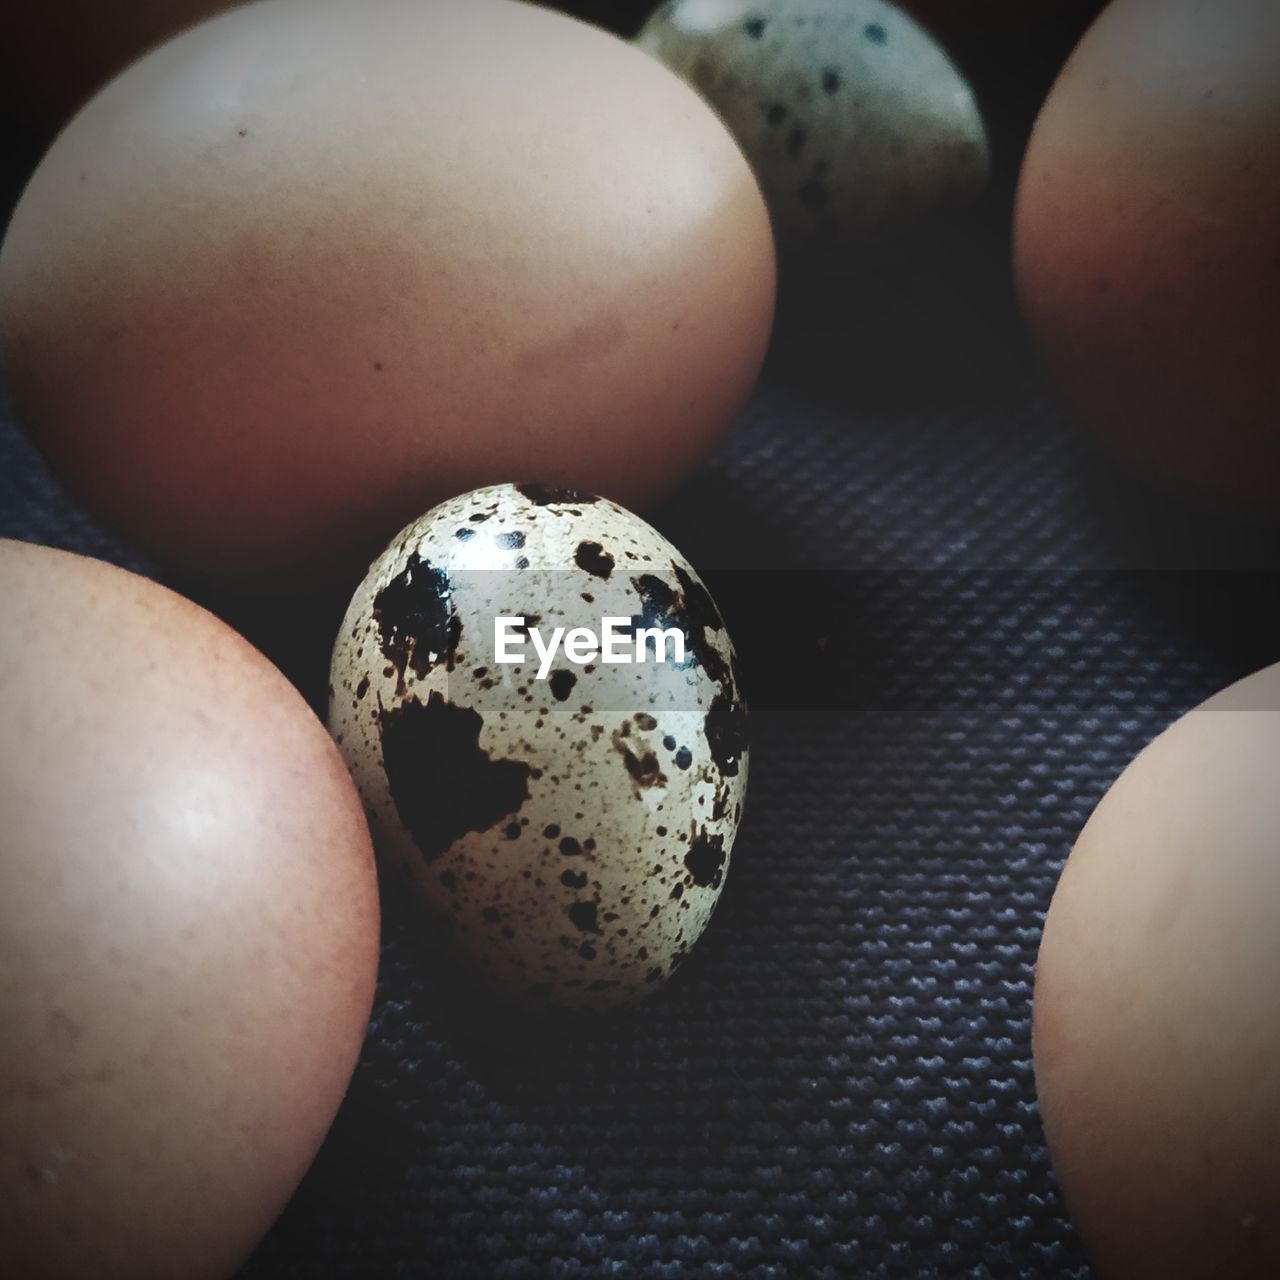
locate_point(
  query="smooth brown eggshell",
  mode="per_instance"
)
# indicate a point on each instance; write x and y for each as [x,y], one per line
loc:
[315,266]
[1157,1026]
[188,929]
[1147,253]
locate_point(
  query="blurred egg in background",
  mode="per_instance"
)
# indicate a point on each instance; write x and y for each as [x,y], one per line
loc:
[1157,1028]
[189,929]
[855,120]
[313,266]
[1147,245]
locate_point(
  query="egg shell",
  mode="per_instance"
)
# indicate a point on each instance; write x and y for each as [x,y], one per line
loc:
[188,929]
[315,265]
[1146,241]
[573,833]
[1157,1027]
[853,117]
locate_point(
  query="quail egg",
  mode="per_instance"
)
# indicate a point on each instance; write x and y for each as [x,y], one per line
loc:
[852,116]
[540,705]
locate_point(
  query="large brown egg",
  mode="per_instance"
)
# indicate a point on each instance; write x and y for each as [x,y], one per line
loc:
[314,266]
[1157,1026]
[1147,241]
[188,929]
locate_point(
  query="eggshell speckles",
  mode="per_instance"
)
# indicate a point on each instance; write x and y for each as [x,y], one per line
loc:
[573,831]
[850,113]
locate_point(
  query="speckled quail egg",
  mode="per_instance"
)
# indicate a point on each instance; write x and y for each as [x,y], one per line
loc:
[853,117]
[540,705]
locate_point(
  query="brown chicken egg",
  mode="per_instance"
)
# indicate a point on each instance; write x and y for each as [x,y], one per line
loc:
[1147,245]
[316,265]
[188,929]
[1157,1027]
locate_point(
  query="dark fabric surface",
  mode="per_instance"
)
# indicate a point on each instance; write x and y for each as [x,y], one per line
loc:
[957,626]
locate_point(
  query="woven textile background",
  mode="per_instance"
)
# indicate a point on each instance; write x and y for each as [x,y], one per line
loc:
[958,624]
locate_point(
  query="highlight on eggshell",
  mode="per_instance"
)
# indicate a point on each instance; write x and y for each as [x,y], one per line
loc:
[540,705]
[315,265]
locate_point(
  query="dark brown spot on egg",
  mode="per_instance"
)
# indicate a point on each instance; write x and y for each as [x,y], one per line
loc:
[642,766]
[705,860]
[416,622]
[644,769]
[688,607]
[570,847]
[441,781]
[594,559]
[573,879]
[583,915]
[546,495]
[562,683]
[721,805]
[726,729]
[511,541]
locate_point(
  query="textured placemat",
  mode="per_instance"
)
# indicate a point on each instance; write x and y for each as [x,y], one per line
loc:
[957,626]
